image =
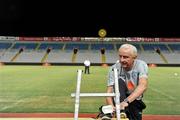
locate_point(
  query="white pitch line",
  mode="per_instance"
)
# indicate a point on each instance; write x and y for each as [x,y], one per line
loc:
[163,93]
[12,105]
[94,94]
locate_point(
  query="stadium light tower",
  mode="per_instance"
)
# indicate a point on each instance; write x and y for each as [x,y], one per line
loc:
[102,34]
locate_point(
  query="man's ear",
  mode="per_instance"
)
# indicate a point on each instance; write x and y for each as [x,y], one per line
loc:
[135,57]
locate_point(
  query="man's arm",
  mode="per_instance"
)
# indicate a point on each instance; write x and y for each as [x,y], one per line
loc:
[109,100]
[140,89]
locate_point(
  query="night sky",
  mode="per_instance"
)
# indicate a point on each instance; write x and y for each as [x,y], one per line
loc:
[84,18]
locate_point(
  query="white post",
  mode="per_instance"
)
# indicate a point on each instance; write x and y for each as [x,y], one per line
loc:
[77,99]
[117,94]
[78,94]
[94,95]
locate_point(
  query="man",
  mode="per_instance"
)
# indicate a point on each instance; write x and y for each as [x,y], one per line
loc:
[133,82]
[87,65]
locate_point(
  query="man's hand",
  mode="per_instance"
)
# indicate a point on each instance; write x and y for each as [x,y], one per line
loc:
[114,108]
[123,105]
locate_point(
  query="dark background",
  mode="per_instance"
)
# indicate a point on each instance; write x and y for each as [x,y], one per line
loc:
[86,18]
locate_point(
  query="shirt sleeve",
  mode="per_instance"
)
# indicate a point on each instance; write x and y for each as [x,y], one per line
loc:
[110,80]
[143,70]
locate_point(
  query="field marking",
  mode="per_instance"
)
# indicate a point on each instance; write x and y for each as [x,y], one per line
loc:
[18,102]
[12,105]
[161,101]
[21,100]
[162,93]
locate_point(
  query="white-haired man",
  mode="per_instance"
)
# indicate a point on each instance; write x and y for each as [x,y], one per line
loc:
[133,82]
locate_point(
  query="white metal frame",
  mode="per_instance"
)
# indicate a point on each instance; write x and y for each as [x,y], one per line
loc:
[77,95]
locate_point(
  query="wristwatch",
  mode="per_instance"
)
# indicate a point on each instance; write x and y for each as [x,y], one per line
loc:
[127,101]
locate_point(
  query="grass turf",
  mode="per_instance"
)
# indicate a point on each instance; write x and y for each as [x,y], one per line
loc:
[29,89]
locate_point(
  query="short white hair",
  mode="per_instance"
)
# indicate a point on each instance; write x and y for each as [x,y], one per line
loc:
[130,46]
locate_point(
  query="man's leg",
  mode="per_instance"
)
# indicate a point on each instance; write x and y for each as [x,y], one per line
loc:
[122,89]
[123,95]
[85,70]
[88,70]
[134,111]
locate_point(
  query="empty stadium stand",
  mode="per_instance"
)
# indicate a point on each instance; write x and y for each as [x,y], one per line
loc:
[99,46]
[153,47]
[63,52]
[80,46]
[174,47]
[25,45]
[55,46]
[5,45]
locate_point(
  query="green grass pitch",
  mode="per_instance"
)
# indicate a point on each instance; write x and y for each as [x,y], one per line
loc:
[31,89]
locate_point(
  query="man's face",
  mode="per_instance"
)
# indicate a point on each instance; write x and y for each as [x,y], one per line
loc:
[126,58]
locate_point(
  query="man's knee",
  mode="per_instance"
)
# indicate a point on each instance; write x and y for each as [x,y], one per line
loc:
[134,110]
